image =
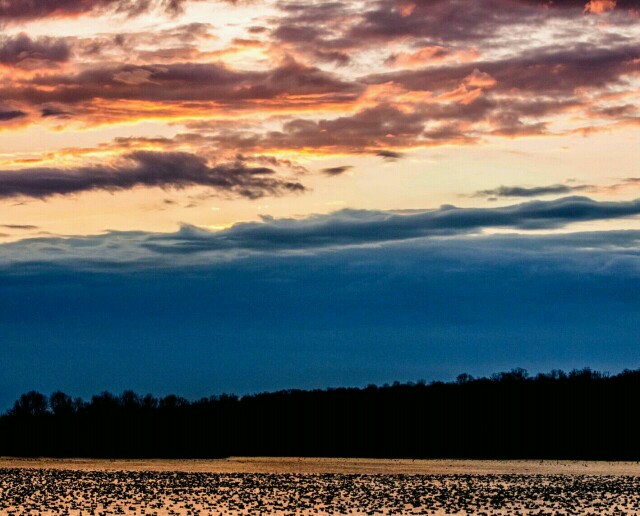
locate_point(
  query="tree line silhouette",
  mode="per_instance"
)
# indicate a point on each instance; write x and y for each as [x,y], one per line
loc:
[583,414]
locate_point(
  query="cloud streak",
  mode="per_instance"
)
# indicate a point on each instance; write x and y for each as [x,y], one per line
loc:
[146,169]
[180,82]
[346,229]
[336,171]
[24,10]
[534,191]
[7,115]
[362,227]
[23,51]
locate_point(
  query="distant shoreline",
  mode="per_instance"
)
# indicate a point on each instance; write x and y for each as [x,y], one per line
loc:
[307,465]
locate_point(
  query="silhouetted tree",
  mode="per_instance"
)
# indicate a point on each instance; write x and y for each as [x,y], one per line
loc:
[463,378]
[583,414]
[61,404]
[30,404]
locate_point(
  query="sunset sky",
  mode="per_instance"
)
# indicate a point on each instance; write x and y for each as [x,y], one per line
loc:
[200,196]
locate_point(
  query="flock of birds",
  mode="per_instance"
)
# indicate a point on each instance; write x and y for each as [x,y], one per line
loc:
[66,492]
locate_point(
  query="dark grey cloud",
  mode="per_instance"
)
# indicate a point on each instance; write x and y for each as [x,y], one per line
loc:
[389,155]
[19,10]
[54,112]
[442,20]
[621,111]
[336,171]
[362,227]
[582,65]
[444,229]
[150,169]
[25,227]
[316,29]
[460,20]
[22,50]
[366,131]
[331,30]
[343,229]
[182,82]
[509,97]
[24,10]
[7,115]
[580,4]
[177,43]
[372,130]
[377,130]
[384,129]
[535,191]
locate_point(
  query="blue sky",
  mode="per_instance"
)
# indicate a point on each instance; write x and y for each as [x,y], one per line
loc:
[318,302]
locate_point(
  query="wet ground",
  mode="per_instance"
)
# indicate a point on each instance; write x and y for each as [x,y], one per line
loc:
[53,491]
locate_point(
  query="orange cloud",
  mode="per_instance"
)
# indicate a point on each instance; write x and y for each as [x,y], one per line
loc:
[431,55]
[599,6]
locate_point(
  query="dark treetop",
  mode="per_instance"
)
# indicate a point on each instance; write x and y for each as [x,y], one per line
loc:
[578,415]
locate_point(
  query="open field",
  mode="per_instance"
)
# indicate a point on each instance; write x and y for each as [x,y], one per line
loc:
[304,465]
[316,486]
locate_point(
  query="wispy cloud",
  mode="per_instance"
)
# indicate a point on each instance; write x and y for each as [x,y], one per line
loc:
[532,191]
[25,52]
[21,10]
[336,171]
[146,169]
[339,230]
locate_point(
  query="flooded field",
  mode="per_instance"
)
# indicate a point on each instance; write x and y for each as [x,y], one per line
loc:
[317,486]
